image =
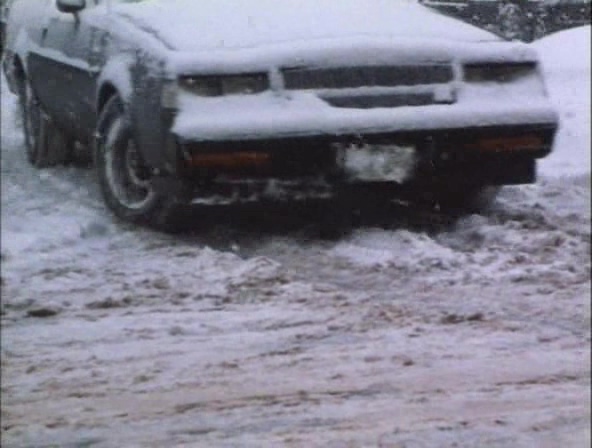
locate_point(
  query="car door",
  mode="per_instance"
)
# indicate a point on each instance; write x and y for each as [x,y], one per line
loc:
[65,69]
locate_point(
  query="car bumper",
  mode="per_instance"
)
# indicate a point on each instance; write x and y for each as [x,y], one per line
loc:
[252,147]
[310,167]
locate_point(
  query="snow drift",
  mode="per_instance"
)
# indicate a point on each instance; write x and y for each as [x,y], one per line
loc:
[565,57]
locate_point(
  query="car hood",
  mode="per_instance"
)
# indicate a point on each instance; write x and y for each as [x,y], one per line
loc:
[190,25]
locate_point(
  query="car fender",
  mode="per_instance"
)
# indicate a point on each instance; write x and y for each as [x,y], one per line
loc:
[22,44]
[116,73]
[139,89]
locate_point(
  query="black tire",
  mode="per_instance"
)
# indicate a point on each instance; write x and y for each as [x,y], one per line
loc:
[127,184]
[46,145]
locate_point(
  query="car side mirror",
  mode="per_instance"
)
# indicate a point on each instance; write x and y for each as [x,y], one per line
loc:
[71,6]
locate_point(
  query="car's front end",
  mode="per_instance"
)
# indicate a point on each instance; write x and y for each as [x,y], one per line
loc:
[299,123]
[242,102]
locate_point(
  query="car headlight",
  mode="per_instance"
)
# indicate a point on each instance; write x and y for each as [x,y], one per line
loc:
[244,85]
[212,86]
[201,86]
[498,72]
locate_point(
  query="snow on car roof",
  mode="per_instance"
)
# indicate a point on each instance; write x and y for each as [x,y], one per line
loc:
[188,25]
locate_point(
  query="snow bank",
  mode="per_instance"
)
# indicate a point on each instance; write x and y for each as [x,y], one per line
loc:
[565,58]
[566,50]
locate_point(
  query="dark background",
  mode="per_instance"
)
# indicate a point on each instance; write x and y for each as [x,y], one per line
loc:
[519,19]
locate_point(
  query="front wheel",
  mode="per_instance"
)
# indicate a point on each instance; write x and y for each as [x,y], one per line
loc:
[127,183]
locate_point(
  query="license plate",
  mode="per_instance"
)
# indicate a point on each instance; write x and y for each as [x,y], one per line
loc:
[378,163]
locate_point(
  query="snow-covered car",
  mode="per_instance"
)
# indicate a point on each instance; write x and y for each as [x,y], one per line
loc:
[188,102]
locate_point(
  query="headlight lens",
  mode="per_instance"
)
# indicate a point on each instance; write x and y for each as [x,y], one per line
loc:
[496,72]
[212,86]
[201,86]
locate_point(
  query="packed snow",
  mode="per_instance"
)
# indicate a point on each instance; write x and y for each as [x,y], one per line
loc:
[253,333]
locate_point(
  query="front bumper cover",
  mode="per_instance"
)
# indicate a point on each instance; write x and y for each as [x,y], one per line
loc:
[309,168]
[293,156]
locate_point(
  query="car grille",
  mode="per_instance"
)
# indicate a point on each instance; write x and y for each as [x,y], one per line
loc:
[393,86]
[371,76]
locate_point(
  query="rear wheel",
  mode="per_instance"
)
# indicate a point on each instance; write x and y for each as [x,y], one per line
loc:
[46,145]
[127,183]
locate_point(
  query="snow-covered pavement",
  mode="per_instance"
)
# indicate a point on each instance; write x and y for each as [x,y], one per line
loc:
[242,335]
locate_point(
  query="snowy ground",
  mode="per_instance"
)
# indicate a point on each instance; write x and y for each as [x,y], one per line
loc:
[250,335]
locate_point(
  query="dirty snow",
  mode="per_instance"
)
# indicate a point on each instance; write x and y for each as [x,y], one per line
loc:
[254,334]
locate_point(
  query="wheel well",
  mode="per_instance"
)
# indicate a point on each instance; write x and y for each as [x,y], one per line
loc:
[106,92]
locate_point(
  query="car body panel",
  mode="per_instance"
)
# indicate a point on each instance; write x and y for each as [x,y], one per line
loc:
[71,38]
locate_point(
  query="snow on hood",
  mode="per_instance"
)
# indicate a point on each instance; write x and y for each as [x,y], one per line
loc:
[191,25]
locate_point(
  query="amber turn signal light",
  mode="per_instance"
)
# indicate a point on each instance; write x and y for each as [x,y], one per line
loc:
[231,160]
[521,143]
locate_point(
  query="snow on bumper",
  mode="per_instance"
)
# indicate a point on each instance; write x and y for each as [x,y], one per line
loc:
[271,116]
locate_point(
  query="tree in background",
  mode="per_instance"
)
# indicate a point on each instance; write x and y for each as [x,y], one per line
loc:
[512,19]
